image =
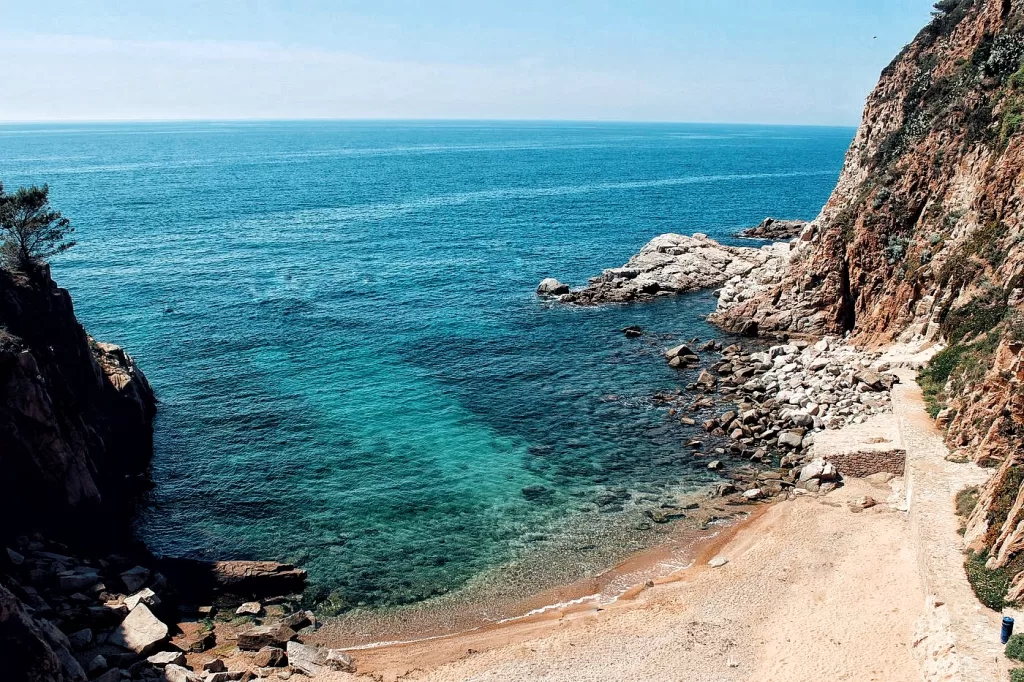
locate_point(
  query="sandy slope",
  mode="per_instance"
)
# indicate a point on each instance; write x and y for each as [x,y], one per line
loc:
[812,591]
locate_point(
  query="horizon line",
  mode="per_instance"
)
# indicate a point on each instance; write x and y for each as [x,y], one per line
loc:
[326,119]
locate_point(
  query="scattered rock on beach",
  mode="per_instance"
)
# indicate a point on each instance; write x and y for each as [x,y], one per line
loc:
[270,657]
[173,673]
[140,632]
[718,562]
[861,503]
[165,658]
[249,608]
[260,636]
[314,661]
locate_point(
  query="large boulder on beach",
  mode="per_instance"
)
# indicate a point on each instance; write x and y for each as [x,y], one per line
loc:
[261,636]
[791,439]
[314,661]
[140,632]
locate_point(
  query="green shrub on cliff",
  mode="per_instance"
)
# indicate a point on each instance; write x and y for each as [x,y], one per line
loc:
[1010,119]
[1015,647]
[1017,675]
[30,231]
[1017,79]
[946,15]
[963,363]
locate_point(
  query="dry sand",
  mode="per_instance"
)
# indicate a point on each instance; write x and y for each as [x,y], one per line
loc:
[812,591]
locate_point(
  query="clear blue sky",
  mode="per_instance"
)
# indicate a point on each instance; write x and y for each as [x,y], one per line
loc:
[753,61]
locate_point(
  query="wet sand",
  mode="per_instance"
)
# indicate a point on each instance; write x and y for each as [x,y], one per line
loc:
[489,606]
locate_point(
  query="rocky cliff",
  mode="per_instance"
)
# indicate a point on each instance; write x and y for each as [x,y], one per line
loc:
[79,598]
[923,239]
[75,415]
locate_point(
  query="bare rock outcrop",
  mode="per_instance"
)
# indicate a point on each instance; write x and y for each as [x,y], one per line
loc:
[926,216]
[675,264]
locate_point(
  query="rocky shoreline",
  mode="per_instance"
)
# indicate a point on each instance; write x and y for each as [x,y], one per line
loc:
[79,616]
[672,264]
[780,398]
[777,397]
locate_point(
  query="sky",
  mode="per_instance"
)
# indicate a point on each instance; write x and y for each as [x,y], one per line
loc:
[735,61]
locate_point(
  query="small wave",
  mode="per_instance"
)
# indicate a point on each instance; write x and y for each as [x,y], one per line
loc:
[395,209]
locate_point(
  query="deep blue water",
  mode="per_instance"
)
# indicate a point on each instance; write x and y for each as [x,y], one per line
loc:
[340,324]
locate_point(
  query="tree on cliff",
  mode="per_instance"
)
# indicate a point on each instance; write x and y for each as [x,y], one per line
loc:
[30,231]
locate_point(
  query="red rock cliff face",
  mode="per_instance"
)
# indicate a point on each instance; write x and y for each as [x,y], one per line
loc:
[75,415]
[923,238]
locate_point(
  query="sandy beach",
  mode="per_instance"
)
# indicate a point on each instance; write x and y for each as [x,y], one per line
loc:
[813,590]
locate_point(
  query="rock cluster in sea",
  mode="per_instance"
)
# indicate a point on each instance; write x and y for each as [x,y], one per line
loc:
[772,228]
[109,619]
[671,264]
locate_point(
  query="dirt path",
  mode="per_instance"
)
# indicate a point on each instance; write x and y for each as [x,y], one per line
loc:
[957,638]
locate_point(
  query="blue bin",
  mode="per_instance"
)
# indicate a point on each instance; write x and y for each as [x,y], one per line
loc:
[1007,629]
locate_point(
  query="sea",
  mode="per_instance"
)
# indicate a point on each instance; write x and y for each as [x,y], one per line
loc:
[353,370]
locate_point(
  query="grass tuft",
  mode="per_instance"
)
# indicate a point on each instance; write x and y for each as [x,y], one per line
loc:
[989,586]
[966,501]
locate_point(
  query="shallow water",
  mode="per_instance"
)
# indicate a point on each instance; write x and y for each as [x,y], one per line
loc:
[339,321]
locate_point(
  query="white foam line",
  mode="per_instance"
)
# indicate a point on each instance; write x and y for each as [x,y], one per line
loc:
[552,607]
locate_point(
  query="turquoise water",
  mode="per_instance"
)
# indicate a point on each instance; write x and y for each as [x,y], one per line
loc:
[339,321]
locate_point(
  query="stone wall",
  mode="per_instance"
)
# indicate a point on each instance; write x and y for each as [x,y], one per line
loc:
[865,463]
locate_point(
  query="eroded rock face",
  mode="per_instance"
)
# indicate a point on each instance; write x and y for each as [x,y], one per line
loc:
[927,211]
[75,415]
[673,264]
